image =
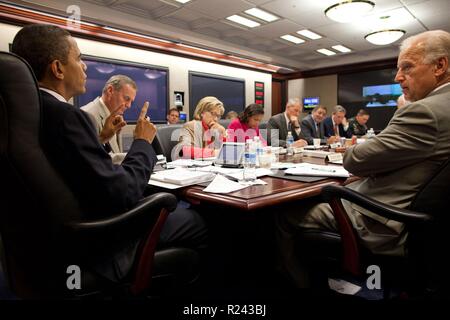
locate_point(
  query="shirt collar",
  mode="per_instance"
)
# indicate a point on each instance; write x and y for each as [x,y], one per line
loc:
[54,94]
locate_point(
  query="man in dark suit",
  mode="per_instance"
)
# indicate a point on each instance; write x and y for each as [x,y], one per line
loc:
[336,126]
[279,125]
[312,125]
[71,143]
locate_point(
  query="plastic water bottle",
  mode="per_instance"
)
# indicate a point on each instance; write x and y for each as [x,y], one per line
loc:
[289,143]
[370,133]
[259,149]
[249,161]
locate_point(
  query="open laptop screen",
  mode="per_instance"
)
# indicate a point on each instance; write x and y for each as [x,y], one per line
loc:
[231,154]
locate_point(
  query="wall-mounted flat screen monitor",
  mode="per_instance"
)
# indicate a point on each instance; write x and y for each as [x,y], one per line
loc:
[231,91]
[382,95]
[152,83]
[310,102]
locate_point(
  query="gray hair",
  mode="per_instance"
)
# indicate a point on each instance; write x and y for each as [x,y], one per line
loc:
[339,108]
[118,81]
[433,44]
[292,102]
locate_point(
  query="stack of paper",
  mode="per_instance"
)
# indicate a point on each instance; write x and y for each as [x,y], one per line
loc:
[307,169]
[182,176]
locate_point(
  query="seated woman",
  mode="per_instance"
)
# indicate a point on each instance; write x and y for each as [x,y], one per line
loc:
[245,126]
[201,137]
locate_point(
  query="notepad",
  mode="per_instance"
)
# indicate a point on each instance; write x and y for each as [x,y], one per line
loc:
[182,176]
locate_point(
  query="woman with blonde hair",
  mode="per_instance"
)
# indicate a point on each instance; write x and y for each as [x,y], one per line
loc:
[200,137]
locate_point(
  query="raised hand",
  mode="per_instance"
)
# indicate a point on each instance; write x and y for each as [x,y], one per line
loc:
[144,128]
[113,124]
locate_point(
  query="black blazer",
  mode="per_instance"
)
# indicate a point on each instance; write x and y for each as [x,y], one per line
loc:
[71,144]
[329,130]
[309,130]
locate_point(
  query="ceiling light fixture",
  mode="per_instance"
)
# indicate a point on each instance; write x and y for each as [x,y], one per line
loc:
[309,34]
[326,52]
[261,14]
[182,1]
[348,11]
[244,21]
[293,39]
[341,48]
[384,37]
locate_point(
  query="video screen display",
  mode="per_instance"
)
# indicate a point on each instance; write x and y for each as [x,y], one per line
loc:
[310,102]
[382,95]
[151,81]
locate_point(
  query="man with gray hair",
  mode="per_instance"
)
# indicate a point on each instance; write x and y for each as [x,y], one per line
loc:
[106,113]
[280,124]
[395,164]
[336,126]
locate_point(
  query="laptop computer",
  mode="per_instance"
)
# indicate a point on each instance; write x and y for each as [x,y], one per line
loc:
[231,155]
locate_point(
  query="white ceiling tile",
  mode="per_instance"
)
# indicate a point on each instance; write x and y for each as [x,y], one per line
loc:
[218,8]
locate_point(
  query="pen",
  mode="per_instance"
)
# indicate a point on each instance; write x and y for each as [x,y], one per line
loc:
[323,169]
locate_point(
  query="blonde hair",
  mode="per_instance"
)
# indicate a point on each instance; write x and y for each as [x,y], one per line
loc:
[208,104]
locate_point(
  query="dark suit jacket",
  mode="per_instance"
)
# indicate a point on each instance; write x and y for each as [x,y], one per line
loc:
[309,130]
[329,130]
[71,144]
[278,122]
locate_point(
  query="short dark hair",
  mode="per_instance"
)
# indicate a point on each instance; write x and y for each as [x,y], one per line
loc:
[40,44]
[251,110]
[363,112]
[173,109]
[319,107]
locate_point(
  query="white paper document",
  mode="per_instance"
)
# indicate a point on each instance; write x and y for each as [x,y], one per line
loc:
[343,286]
[181,176]
[308,169]
[188,163]
[221,184]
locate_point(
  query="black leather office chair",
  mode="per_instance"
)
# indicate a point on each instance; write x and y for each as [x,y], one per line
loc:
[41,225]
[166,138]
[424,268]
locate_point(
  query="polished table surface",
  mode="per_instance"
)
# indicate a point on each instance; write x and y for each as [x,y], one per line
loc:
[277,190]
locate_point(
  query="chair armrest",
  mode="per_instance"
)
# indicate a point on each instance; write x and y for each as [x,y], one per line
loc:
[384,210]
[149,206]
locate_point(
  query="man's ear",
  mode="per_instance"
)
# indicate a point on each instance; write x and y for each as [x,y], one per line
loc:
[56,69]
[441,66]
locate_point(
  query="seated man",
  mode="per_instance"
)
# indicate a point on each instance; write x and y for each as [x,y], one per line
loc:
[173,116]
[312,125]
[357,125]
[106,113]
[280,124]
[336,126]
[396,163]
[71,144]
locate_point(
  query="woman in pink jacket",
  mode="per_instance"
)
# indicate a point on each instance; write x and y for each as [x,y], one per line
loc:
[245,126]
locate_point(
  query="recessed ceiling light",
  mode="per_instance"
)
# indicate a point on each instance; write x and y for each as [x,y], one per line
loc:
[341,48]
[244,21]
[349,10]
[326,52]
[293,39]
[182,1]
[261,14]
[309,34]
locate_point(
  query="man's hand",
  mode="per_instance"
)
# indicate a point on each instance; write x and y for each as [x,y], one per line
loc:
[144,128]
[299,143]
[294,122]
[332,139]
[344,122]
[113,124]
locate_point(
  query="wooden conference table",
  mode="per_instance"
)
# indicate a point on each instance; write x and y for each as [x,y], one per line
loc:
[277,191]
